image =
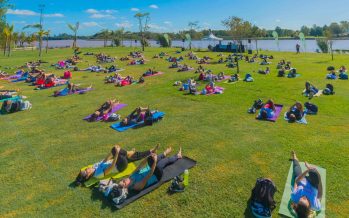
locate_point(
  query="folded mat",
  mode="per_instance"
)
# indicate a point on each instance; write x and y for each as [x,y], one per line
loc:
[302,121]
[113,110]
[171,171]
[156,74]
[285,207]
[128,171]
[118,127]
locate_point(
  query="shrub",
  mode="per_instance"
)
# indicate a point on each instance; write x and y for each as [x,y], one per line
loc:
[322,44]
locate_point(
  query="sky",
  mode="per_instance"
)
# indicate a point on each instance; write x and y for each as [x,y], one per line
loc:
[174,15]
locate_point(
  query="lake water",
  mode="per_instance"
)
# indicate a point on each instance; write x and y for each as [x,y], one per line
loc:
[284,45]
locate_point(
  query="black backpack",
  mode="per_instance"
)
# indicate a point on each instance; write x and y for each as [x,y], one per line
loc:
[312,108]
[263,196]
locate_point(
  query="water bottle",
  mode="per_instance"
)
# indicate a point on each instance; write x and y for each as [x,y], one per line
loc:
[186,178]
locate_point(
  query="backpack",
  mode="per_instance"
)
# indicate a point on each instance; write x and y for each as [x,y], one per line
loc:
[311,108]
[258,104]
[262,198]
[329,90]
[148,120]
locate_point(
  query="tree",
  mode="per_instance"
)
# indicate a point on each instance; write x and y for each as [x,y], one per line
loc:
[329,39]
[47,34]
[165,41]
[335,29]
[193,26]
[40,34]
[305,30]
[345,26]
[8,35]
[239,29]
[118,36]
[143,21]
[75,29]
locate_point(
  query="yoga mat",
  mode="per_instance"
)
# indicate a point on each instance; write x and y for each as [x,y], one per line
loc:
[66,92]
[278,108]
[285,206]
[128,171]
[302,121]
[225,78]
[297,75]
[118,127]
[227,82]
[217,89]
[11,99]
[113,110]
[171,171]
[157,74]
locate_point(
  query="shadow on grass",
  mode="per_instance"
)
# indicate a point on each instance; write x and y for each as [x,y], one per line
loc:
[248,213]
[96,195]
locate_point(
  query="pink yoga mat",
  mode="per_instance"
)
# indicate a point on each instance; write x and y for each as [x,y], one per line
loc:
[113,110]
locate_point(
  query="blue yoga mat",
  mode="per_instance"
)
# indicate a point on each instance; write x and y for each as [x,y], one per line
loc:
[118,127]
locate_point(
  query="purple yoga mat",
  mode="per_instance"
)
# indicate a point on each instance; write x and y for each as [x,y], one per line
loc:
[225,78]
[278,108]
[82,91]
[113,110]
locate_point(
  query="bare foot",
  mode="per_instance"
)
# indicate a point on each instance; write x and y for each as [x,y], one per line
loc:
[155,148]
[179,154]
[167,151]
[293,155]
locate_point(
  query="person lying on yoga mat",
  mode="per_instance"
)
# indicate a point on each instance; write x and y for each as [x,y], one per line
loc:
[148,173]
[267,111]
[150,72]
[266,71]
[295,112]
[138,115]
[220,76]
[116,161]
[234,78]
[104,109]
[71,87]
[281,72]
[292,73]
[307,190]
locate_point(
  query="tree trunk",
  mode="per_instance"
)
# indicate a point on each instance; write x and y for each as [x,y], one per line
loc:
[257,46]
[143,42]
[46,44]
[5,47]
[9,47]
[40,46]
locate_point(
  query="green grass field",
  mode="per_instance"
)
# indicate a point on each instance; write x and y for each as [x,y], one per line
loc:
[42,150]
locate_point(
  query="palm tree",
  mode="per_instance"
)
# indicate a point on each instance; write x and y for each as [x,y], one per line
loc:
[8,33]
[40,34]
[47,33]
[75,31]
[21,39]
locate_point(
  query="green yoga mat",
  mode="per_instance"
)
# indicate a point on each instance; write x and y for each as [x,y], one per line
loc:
[128,171]
[285,206]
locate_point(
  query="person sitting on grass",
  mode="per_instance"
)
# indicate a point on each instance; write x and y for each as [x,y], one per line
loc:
[67,75]
[184,68]
[295,113]
[266,71]
[210,88]
[288,65]
[234,78]
[148,173]
[292,73]
[116,161]
[202,76]
[104,109]
[220,76]
[281,72]
[267,111]
[307,190]
[264,62]
[220,61]
[248,78]
[310,90]
[174,65]
[331,75]
[137,116]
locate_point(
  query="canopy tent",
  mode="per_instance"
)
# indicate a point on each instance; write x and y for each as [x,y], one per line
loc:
[212,37]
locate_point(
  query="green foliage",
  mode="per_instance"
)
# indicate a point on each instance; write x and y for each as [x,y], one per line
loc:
[163,41]
[322,44]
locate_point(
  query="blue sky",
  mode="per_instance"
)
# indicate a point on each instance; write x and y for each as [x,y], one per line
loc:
[172,16]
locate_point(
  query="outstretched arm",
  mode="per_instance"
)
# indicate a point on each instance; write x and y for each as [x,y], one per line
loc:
[140,185]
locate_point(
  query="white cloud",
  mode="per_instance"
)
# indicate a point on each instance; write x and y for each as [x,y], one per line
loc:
[98,16]
[169,23]
[90,24]
[54,15]
[21,12]
[277,20]
[153,6]
[91,11]
[134,9]
[31,13]
[125,24]
[156,27]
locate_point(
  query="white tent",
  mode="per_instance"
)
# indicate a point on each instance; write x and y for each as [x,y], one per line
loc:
[212,37]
